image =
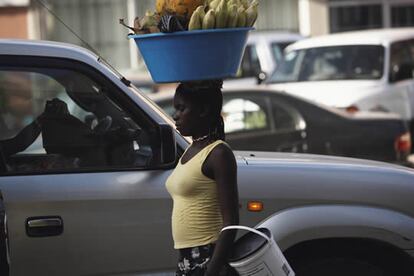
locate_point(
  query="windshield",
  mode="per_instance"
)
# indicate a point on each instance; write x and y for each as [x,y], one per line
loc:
[353,62]
[277,50]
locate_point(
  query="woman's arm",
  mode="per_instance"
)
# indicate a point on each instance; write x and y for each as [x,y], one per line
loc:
[221,164]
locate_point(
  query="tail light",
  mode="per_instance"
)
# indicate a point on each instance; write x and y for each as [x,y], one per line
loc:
[403,143]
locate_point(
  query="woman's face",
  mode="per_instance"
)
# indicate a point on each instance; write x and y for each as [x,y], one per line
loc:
[187,116]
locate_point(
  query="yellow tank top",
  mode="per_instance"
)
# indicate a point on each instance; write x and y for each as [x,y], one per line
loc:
[196,216]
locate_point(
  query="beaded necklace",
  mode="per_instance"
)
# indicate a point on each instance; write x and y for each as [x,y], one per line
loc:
[200,138]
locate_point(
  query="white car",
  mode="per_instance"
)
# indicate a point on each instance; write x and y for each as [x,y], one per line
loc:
[91,199]
[365,70]
[264,50]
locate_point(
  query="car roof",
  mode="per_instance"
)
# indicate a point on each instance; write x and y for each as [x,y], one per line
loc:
[168,96]
[365,37]
[273,36]
[284,96]
[46,48]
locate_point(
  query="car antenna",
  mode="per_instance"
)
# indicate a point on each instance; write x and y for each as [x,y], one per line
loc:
[100,58]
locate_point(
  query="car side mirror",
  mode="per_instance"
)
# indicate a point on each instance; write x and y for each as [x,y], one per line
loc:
[261,77]
[168,145]
[401,72]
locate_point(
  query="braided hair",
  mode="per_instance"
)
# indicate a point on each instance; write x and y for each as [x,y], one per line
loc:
[206,93]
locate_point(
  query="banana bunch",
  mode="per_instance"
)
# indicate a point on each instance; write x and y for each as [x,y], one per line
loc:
[224,14]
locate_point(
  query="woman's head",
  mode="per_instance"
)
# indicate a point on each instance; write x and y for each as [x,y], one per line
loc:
[198,109]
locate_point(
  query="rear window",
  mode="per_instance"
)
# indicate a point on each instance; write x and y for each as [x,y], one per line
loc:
[353,62]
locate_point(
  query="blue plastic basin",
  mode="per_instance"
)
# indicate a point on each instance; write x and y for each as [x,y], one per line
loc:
[192,55]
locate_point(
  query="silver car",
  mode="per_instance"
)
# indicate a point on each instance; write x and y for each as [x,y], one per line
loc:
[83,191]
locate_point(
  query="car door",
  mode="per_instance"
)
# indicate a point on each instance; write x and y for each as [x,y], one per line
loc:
[401,79]
[250,66]
[250,123]
[289,125]
[81,178]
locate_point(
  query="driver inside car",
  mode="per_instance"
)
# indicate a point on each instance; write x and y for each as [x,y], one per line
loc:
[25,137]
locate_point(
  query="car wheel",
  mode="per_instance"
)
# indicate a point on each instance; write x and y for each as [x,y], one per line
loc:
[4,256]
[348,258]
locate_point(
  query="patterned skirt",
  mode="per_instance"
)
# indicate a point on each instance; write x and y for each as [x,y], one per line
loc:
[193,261]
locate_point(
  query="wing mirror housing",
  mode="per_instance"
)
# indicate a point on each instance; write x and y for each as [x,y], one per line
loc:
[261,77]
[168,145]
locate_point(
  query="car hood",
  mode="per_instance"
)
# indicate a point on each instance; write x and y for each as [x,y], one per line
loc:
[262,158]
[306,179]
[332,93]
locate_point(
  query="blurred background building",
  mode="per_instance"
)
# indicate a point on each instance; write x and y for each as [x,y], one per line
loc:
[96,21]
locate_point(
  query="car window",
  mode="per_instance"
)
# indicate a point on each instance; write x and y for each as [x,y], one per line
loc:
[60,119]
[285,117]
[245,114]
[401,58]
[277,50]
[353,62]
[250,64]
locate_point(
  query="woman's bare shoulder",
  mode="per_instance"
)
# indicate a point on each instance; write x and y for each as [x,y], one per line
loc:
[222,152]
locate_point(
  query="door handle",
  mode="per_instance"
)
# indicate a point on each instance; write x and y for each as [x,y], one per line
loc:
[44,226]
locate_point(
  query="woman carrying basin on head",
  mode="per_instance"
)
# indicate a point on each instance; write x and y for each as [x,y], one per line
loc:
[204,183]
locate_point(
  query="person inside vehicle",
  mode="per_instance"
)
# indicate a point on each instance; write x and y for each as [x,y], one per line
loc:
[18,130]
[15,104]
[27,136]
[203,186]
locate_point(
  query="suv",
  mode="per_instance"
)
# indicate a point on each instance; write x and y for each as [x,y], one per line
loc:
[88,196]
[365,70]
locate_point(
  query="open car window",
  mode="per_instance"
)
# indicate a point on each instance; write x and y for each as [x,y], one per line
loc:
[54,119]
[286,118]
[242,114]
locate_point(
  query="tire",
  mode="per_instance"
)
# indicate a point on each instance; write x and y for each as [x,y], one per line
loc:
[348,257]
[4,256]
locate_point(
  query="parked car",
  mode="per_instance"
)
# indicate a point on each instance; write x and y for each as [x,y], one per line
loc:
[264,50]
[91,200]
[261,119]
[360,70]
